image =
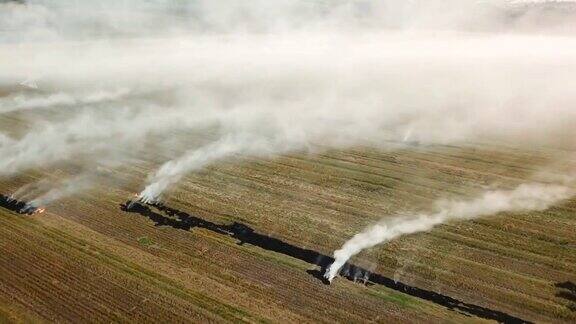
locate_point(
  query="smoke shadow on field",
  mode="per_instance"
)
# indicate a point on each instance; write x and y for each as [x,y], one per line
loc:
[245,234]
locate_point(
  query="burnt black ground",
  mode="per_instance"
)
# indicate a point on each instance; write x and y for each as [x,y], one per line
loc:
[245,234]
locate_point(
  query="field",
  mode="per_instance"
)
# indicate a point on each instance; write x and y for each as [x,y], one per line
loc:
[87,259]
[207,161]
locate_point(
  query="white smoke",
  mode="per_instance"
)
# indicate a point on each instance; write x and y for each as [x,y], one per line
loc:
[29,83]
[93,135]
[450,89]
[53,20]
[526,197]
[62,189]
[216,78]
[31,189]
[5,140]
[23,102]
[172,171]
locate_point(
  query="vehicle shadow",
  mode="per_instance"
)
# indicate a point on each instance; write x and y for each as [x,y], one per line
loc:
[245,234]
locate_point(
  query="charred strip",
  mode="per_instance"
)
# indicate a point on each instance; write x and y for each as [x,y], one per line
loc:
[18,206]
[167,216]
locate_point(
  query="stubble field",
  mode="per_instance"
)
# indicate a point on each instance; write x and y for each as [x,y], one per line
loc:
[88,259]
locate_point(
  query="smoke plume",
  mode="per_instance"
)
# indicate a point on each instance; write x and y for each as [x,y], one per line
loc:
[188,83]
[22,102]
[62,189]
[174,170]
[526,197]
[31,189]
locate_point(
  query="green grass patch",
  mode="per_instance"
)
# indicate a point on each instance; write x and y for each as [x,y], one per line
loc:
[145,241]
[397,298]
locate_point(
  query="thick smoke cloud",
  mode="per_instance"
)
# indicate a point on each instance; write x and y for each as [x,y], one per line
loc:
[206,80]
[54,20]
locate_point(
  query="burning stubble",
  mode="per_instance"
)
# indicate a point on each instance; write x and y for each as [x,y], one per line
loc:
[304,75]
[525,197]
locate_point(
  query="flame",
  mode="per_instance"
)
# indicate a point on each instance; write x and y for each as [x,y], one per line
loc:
[41,210]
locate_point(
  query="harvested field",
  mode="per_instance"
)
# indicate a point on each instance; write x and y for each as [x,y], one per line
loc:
[292,161]
[85,258]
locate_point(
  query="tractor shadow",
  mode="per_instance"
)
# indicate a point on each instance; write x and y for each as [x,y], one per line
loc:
[167,216]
